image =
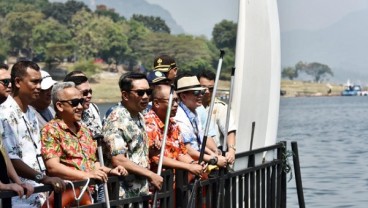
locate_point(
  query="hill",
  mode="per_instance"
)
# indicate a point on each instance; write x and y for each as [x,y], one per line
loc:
[342,46]
[127,8]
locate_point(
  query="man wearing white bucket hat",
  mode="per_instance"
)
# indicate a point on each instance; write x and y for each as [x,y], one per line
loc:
[191,93]
[44,112]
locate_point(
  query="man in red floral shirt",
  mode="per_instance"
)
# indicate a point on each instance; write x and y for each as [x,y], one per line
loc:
[68,149]
[175,151]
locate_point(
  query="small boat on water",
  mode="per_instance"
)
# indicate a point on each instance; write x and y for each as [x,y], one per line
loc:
[352,90]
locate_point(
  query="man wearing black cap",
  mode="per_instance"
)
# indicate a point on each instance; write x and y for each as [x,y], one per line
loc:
[167,65]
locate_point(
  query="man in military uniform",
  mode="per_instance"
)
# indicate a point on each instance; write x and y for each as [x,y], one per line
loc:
[167,65]
[218,118]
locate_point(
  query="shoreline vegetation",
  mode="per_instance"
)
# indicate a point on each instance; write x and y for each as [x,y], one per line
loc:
[106,90]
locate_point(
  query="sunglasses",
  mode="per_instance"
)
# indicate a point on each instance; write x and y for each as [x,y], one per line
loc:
[5,82]
[174,100]
[86,92]
[74,102]
[140,93]
[199,92]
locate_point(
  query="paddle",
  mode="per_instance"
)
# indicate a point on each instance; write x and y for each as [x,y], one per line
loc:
[197,179]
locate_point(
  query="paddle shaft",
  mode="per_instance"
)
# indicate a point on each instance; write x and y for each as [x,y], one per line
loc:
[192,198]
[100,157]
[163,143]
[224,145]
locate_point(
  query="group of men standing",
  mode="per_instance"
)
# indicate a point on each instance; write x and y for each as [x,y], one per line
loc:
[49,145]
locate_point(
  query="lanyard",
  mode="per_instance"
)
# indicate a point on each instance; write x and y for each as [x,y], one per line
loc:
[29,132]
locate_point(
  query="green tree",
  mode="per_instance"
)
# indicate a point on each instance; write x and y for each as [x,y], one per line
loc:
[18,28]
[156,24]
[52,41]
[289,72]
[224,34]
[63,12]
[317,70]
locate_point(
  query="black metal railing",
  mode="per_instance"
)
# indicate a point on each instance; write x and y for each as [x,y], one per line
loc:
[252,184]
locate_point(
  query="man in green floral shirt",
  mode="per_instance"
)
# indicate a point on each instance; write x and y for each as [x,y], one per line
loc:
[125,134]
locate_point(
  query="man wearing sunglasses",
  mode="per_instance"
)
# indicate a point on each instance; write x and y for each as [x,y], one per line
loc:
[125,134]
[191,93]
[68,148]
[218,118]
[175,155]
[21,132]
[91,113]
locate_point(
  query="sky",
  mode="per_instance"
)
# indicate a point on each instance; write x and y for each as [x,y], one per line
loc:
[198,17]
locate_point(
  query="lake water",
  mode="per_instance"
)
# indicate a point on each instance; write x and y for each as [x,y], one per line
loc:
[332,138]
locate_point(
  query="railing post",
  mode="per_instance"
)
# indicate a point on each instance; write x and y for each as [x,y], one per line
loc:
[281,176]
[298,175]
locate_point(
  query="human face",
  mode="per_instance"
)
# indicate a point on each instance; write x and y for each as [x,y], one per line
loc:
[44,99]
[30,85]
[209,84]
[161,103]
[4,89]
[171,74]
[134,102]
[86,91]
[69,106]
[192,100]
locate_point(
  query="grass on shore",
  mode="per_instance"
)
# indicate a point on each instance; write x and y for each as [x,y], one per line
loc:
[302,88]
[106,89]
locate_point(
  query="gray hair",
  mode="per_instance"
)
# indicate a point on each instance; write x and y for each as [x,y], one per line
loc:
[55,93]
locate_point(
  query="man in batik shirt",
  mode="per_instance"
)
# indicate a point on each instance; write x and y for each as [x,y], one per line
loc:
[67,146]
[175,155]
[91,114]
[21,135]
[125,134]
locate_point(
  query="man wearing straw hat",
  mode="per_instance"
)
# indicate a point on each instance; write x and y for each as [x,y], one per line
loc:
[191,93]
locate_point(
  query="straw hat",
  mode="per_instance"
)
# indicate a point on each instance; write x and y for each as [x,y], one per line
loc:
[188,84]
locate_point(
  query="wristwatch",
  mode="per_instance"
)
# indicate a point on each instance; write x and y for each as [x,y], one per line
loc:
[38,177]
[213,160]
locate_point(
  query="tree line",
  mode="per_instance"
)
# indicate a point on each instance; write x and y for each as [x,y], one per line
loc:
[53,32]
[316,70]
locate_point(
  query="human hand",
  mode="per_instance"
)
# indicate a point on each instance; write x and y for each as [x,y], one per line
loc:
[98,174]
[156,180]
[230,156]
[14,187]
[29,189]
[119,170]
[221,161]
[196,169]
[57,183]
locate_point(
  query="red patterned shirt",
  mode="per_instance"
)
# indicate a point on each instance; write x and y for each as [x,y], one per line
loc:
[76,151]
[155,129]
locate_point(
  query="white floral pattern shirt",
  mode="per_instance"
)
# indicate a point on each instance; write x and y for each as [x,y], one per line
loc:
[21,138]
